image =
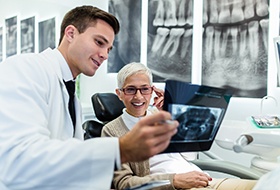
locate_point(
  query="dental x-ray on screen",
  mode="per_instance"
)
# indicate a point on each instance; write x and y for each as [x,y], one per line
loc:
[199,111]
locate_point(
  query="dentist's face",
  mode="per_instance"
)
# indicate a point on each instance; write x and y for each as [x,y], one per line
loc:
[89,49]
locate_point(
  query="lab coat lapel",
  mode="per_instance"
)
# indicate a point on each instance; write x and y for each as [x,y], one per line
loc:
[68,123]
[78,130]
[79,133]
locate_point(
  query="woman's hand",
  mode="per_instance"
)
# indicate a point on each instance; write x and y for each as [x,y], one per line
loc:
[191,180]
[158,100]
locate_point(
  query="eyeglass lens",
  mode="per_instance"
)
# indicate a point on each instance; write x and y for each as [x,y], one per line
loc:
[133,90]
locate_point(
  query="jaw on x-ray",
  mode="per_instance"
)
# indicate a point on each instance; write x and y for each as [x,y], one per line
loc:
[196,123]
[199,110]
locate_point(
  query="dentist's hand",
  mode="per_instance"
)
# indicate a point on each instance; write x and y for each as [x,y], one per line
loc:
[150,136]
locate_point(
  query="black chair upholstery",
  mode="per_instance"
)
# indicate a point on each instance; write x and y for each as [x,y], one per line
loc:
[92,129]
[106,106]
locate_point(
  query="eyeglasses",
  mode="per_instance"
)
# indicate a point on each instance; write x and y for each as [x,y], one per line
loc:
[133,90]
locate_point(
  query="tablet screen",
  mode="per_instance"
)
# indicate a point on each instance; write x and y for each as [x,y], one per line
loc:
[199,110]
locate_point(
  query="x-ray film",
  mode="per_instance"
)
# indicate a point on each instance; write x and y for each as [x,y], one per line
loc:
[199,110]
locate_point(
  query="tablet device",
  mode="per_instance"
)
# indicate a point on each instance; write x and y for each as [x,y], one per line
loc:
[199,110]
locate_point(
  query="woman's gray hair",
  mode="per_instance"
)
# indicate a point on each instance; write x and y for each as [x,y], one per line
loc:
[131,69]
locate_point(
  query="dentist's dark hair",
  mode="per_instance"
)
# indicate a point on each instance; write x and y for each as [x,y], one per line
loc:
[85,16]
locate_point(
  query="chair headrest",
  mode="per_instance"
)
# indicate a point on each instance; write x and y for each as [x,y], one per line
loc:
[92,129]
[107,106]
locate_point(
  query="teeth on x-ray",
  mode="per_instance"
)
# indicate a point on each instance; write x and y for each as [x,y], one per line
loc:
[261,8]
[182,20]
[224,15]
[186,40]
[158,21]
[170,19]
[213,14]
[234,43]
[264,25]
[160,37]
[249,9]
[234,32]
[237,14]
[209,41]
[244,18]
[185,14]
[174,39]
[253,40]
[169,15]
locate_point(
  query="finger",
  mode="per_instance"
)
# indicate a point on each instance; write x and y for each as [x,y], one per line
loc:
[159,92]
[164,128]
[206,176]
[203,184]
[160,143]
[155,118]
[158,101]
[160,105]
[161,146]
[204,180]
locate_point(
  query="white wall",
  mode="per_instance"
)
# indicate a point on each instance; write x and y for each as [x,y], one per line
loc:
[239,108]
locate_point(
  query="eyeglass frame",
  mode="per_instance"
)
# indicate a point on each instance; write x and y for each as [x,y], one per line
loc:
[136,90]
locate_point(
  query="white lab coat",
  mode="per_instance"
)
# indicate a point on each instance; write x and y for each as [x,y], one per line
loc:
[269,181]
[37,148]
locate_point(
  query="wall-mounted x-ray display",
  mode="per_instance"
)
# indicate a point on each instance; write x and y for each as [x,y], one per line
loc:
[126,47]
[47,34]
[199,111]
[27,35]
[235,42]
[11,36]
[276,42]
[279,17]
[233,47]
[169,51]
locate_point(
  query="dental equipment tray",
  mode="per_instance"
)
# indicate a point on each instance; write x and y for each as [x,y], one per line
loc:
[266,121]
[199,110]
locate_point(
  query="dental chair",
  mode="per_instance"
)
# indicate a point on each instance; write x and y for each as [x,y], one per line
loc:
[257,135]
[245,137]
[107,107]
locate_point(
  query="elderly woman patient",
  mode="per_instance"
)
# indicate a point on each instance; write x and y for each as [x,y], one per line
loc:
[135,89]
